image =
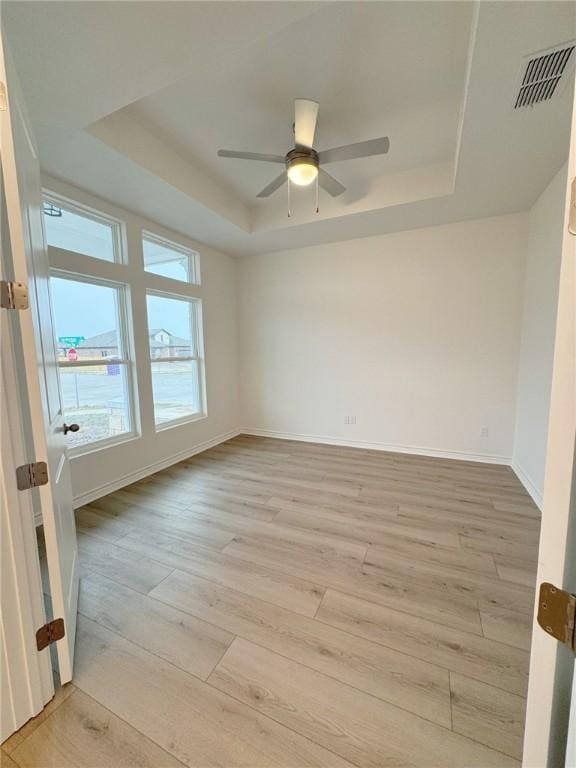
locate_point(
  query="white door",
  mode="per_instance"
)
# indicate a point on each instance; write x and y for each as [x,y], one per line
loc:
[26,678]
[546,741]
[35,343]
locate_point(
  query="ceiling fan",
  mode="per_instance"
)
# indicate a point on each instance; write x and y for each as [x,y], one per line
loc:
[304,164]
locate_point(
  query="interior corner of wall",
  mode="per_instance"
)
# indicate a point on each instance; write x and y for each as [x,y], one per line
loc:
[535,492]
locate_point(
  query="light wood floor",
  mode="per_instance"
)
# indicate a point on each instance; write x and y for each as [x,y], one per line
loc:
[273,603]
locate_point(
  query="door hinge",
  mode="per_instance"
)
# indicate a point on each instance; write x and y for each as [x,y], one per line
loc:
[557,614]
[49,633]
[13,295]
[3,99]
[572,211]
[31,475]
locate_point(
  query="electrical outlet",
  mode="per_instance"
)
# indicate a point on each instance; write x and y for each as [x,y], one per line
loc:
[484,432]
[350,420]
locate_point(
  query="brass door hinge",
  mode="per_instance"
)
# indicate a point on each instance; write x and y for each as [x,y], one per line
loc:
[3,99]
[13,295]
[31,475]
[49,633]
[557,614]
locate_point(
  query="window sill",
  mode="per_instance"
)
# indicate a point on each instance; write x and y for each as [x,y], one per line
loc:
[181,422]
[101,445]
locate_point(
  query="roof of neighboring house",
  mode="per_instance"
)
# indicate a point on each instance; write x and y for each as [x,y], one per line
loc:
[107,339]
[110,339]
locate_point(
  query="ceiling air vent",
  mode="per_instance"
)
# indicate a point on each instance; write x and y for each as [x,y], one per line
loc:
[542,74]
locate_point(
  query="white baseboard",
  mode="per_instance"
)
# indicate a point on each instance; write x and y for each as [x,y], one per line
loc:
[139,474]
[484,458]
[529,484]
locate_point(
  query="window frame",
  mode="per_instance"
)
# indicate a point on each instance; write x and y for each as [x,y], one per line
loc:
[128,270]
[197,337]
[79,209]
[126,359]
[192,256]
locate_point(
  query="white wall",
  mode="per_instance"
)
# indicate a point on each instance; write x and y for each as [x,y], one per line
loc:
[416,334]
[545,231]
[99,472]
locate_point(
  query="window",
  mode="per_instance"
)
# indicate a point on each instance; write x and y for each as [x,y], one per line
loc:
[75,229]
[98,348]
[90,318]
[176,357]
[170,260]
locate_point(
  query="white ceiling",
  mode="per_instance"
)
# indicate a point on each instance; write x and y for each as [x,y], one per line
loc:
[376,69]
[135,99]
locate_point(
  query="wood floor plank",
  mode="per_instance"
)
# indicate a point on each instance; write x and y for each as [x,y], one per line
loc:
[367,533]
[497,545]
[204,500]
[358,727]
[474,523]
[494,718]
[170,541]
[515,570]
[181,524]
[274,532]
[308,562]
[184,640]
[131,569]
[448,606]
[89,520]
[83,734]
[471,585]
[194,722]
[524,506]
[495,663]
[399,548]
[414,685]
[230,503]
[308,494]
[344,510]
[506,625]
[269,584]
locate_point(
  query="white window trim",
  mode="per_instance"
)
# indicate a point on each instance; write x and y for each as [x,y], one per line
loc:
[100,445]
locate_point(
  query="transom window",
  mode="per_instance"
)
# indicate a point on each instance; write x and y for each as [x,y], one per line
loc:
[167,259]
[82,231]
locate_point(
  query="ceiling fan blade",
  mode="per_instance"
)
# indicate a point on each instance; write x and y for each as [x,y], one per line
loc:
[273,186]
[305,117]
[352,151]
[251,156]
[330,184]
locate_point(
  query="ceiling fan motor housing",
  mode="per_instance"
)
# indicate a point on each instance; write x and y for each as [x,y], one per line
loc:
[302,156]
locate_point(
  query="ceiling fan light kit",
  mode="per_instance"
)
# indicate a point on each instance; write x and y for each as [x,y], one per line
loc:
[304,164]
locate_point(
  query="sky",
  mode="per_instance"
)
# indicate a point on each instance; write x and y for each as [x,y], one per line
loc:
[83,309]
